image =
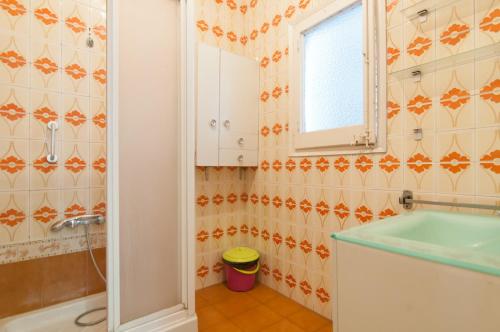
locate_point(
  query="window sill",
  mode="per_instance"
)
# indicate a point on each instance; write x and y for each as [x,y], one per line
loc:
[335,151]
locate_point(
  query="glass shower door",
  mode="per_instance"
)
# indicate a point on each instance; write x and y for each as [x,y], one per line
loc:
[149,149]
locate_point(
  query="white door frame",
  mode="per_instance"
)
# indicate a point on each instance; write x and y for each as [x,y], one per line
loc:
[182,317]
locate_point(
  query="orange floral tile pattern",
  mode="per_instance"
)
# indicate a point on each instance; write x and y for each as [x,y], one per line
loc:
[491,161]
[75,71]
[455,98]
[100,120]
[419,46]
[391,5]
[75,118]
[75,164]
[389,163]
[100,75]
[45,115]
[12,111]
[100,165]
[43,166]
[45,214]
[75,24]
[490,22]
[12,59]
[392,55]
[419,163]
[12,164]
[490,92]
[46,66]
[46,16]
[454,162]
[12,217]
[74,210]
[100,31]
[454,34]
[13,7]
[393,109]
[419,104]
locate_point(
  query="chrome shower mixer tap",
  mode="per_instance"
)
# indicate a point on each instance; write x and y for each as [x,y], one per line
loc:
[90,219]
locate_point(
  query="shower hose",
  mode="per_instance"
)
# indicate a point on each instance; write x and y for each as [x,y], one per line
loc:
[101,275]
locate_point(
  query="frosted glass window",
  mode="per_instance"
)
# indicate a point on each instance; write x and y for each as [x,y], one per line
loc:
[333,77]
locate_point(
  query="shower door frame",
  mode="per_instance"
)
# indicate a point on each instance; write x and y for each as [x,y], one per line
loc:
[182,316]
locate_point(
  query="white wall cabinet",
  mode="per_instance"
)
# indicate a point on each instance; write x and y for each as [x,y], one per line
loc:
[227,109]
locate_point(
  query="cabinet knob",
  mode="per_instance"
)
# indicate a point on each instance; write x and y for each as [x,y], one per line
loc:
[227,124]
[241,140]
[240,158]
[213,123]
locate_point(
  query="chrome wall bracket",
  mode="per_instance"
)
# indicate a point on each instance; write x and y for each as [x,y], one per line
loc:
[406,199]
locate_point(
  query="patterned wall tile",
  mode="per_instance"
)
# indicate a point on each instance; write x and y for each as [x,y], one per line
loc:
[47,73]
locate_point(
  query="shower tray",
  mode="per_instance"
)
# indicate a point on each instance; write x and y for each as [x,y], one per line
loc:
[57,318]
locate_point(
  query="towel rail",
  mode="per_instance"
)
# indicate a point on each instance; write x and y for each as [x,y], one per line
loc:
[407,201]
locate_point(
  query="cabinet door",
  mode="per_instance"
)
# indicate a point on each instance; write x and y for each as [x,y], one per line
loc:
[239,94]
[208,124]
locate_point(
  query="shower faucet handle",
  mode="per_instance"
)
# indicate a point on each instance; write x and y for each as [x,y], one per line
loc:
[73,222]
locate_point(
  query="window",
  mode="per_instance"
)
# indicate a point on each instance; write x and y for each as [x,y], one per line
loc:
[333,75]
[337,105]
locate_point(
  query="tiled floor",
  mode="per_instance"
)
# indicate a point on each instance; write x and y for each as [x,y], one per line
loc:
[261,309]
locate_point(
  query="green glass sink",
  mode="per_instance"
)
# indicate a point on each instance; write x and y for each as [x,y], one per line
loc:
[463,240]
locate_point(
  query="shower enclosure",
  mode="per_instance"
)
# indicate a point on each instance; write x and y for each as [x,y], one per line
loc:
[96,149]
[52,152]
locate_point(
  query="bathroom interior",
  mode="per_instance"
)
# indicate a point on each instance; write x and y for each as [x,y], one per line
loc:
[249,165]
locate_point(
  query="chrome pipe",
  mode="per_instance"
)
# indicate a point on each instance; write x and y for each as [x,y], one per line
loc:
[89,219]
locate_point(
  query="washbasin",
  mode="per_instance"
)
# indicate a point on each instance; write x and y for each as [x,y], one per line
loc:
[445,229]
[458,239]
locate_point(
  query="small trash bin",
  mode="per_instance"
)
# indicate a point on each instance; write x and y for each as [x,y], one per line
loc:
[241,265]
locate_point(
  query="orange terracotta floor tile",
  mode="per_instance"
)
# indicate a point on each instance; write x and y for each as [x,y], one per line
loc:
[283,305]
[262,293]
[256,319]
[215,293]
[259,310]
[283,325]
[209,316]
[225,326]
[235,306]
[308,320]
[201,302]
[327,328]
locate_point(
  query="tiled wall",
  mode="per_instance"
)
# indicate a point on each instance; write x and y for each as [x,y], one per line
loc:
[220,207]
[294,204]
[220,191]
[47,73]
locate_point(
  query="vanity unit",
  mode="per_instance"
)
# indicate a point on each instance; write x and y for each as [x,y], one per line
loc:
[227,108]
[419,271]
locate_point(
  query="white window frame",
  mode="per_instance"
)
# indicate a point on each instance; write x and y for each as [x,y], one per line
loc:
[367,138]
